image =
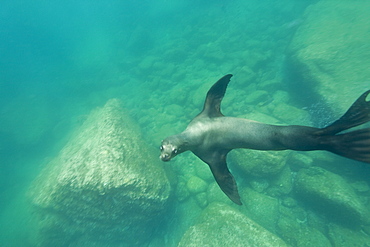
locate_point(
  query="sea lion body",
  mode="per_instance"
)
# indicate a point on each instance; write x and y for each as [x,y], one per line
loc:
[231,133]
[226,133]
[211,135]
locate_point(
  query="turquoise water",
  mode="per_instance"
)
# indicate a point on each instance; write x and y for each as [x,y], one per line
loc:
[61,59]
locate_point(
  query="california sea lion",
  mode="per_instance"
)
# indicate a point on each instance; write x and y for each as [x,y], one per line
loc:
[211,136]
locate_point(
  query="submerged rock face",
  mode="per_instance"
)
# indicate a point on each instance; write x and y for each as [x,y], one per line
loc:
[331,194]
[221,225]
[331,51]
[343,237]
[105,185]
[260,163]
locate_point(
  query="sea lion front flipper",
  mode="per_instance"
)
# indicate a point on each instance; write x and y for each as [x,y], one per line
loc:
[214,97]
[220,171]
[226,181]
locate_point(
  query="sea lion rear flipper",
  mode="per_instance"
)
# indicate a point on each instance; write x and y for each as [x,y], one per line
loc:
[214,97]
[353,144]
[357,114]
[222,175]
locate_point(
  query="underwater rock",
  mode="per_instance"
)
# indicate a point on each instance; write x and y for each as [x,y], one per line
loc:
[106,185]
[196,185]
[175,110]
[297,234]
[360,187]
[295,226]
[198,95]
[260,163]
[290,114]
[181,191]
[331,52]
[261,117]
[211,52]
[289,202]
[255,97]
[201,199]
[261,208]
[215,194]
[281,96]
[259,184]
[248,75]
[222,225]
[147,63]
[281,184]
[299,160]
[202,170]
[332,195]
[344,237]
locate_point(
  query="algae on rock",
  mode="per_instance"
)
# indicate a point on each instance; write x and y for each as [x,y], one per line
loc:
[105,185]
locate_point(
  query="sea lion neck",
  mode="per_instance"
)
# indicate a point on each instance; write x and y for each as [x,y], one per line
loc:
[182,141]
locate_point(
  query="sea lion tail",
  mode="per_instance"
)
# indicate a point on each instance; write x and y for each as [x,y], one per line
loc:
[355,144]
[357,114]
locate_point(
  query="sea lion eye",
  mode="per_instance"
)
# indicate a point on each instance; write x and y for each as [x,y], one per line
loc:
[161,148]
[174,150]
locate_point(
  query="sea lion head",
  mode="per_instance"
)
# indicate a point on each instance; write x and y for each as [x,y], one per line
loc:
[170,147]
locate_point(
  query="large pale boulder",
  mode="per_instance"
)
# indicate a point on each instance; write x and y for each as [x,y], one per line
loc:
[331,52]
[105,185]
[222,225]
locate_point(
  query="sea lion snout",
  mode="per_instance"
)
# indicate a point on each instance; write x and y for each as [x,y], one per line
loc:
[165,157]
[168,151]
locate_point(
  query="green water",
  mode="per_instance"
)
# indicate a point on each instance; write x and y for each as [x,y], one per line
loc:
[61,59]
